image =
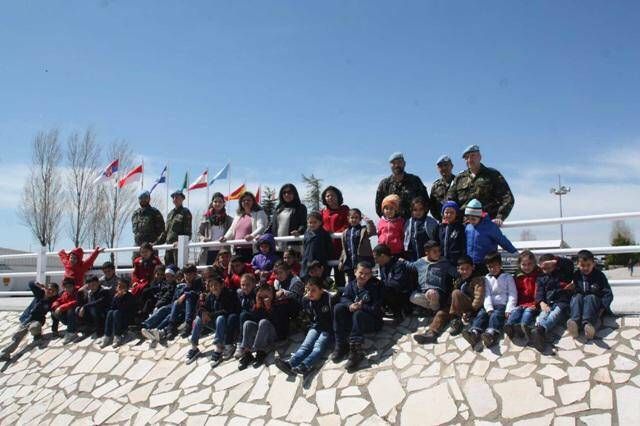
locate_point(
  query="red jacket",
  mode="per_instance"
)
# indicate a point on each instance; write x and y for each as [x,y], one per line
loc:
[391,233]
[233,280]
[335,221]
[526,286]
[143,273]
[67,301]
[77,271]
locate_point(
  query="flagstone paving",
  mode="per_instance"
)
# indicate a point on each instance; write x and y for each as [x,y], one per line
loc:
[404,383]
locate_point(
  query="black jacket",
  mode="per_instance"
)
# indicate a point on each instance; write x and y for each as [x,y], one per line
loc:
[37,310]
[319,312]
[165,293]
[453,241]
[226,303]
[99,299]
[395,275]
[370,295]
[595,283]
[550,288]
[317,246]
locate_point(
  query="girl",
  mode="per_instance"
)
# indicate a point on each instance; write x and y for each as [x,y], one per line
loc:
[215,224]
[391,226]
[419,229]
[317,246]
[356,246]
[451,233]
[335,218]
[289,218]
[523,317]
[250,222]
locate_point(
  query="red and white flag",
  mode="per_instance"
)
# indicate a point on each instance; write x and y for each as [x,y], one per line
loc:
[201,182]
[108,172]
[258,195]
[133,176]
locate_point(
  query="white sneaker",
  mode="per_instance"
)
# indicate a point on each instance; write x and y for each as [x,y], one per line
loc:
[148,334]
[239,352]
[106,341]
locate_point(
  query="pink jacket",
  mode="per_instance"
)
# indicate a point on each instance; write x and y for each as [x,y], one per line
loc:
[391,233]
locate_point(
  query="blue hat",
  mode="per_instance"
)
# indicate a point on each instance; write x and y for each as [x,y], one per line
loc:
[396,156]
[443,159]
[474,208]
[178,193]
[470,149]
[144,194]
[451,204]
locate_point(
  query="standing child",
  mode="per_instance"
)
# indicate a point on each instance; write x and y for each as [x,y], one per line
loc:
[317,304]
[93,313]
[118,315]
[467,296]
[523,317]
[396,285]
[266,257]
[75,267]
[592,297]
[356,246]
[317,245]
[63,309]
[451,233]
[501,297]
[419,229]
[391,226]
[33,317]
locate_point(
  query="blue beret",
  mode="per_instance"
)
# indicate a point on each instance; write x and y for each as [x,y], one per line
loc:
[396,156]
[144,194]
[470,149]
[178,193]
[443,159]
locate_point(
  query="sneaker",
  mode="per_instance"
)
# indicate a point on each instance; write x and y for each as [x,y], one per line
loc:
[426,338]
[238,354]
[471,336]
[573,329]
[150,334]
[341,350]
[538,338]
[192,355]
[259,359]
[510,330]
[455,327]
[284,366]
[245,360]
[589,331]
[489,339]
[355,356]
[119,341]
[69,337]
[302,369]
[228,351]
[169,333]
[106,341]
[4,356]
[216,358]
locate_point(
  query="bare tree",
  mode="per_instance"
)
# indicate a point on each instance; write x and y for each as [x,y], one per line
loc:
[82,158]
[312,197]
[96,224]
[42,197]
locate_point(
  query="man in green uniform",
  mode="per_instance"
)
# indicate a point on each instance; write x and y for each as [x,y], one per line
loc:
[178,223]
[441,186]
[147,221]
[405,185]
[483,183]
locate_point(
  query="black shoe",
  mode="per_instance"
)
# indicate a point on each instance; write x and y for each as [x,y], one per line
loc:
[186,332]
[302,370]
[259,359]
[246,359]
[538,338]
[489,339]
[192,355]
[426,338]
[455,327]
[284,366]
[341,350]
[472,337]
[510,330]
[216,359]
[170,333]
[355,356]
[398,317]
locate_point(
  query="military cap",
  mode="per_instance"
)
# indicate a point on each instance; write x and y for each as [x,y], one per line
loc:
[470,149]
[178,193]
[443,159]
[144,194]
[396,156]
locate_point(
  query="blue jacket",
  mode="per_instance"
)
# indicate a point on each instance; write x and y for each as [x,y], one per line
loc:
[370,295]
[484,238]
[551,288]
[595,283]
[319,312]
[434,275]
[265,262]
[453,241]
[226,303]
[395,275]
[416,233]
[317,246]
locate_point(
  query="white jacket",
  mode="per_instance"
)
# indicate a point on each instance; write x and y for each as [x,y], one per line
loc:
[259,223]
[500,290]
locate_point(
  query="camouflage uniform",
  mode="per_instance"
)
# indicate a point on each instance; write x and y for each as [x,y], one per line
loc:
[178,223]
[488,186]
[148,225]
[439,191]
[407,189]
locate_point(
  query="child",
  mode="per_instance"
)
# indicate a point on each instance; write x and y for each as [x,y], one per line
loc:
[292,258]
[183,308]
[143,268]
[118,315]
[247,299]
[501,297]
[221,263]
[356,246]
[523,317]
[33,317]
[591,299]
[289,288]
[396,286]
[317,304]
[451,233]
[391,226]
[467,296]
[264,260]
[109,278]
[220,309]
[166,295]
[359,312]
[483,236]
[419,229]
[93,312]
[317,245]
[554,287]
[63,309]
[148,297]
[261,329]
[74,265]
[237,268]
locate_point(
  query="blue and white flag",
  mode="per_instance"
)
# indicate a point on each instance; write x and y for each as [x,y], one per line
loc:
[222,174]
[161,179]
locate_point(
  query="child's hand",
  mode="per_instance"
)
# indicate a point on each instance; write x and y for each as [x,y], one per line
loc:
[506,314]
[222,240]
[249,237]
[466,317]
[498,222]
[295,233]
[182,298]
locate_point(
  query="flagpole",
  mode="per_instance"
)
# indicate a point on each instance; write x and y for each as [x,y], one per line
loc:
[142,177]
[206,203]
[188,189]
[166,201]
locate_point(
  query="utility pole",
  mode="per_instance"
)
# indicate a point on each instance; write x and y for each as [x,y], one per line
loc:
[560,191]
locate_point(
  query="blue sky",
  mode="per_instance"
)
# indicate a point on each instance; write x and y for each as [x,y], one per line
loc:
[282,88]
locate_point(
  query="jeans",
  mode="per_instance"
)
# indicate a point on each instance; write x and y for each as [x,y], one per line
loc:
[95,317]
[159,318]
[311,348]
[491,323]
[196,331]
[353,325]
[258,336]
[521,315]
[116,323]
[183,311]
[68,318]
[26,314]
[226,329]
[550,319]
[585,308]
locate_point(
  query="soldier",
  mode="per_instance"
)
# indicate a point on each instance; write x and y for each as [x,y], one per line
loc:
[178,223]
[485,184]
[441,186]
[405,185]
[147,221]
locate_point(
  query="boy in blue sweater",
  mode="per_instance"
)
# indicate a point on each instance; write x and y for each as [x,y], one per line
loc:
[396,283]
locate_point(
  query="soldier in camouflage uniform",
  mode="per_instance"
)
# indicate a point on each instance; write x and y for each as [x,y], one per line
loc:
[404,185]
[483,183]
[147,221]
[178,223]
[441,186]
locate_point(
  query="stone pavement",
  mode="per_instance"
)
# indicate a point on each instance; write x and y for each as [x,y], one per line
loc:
[409,384]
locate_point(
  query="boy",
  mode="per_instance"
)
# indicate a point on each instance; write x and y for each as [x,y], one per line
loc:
[554,288]
[266,258]
[247,298]
[64,309]
[500,299]
[33,317]
[467,296]
[451,233]
[523,317]
[391,227]
[118,316]
[75,266]
[591,299]
[148,297]
[237,268]
[109,278]
[359,312]
[356,246]
[317,245]
[396,286]
[291,258]
[165,297]
[93,312]
[419,229]
[317,304]
[183,308]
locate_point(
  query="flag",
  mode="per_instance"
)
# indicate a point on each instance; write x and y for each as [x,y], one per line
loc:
[108,172]
[258,195]
[185,182]
[222,174]
[235,195]
[161,179]
[133,176]
[201,182]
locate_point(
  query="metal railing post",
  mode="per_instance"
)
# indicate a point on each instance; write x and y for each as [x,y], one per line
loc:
[41,265]
[183,250]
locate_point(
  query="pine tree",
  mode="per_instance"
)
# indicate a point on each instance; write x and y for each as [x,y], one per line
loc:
[621,235]
[269,201]
[312,197]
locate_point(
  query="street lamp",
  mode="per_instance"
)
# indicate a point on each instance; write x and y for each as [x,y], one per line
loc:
[560,191]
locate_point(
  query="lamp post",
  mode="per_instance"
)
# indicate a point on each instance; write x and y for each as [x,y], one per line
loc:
[560,191]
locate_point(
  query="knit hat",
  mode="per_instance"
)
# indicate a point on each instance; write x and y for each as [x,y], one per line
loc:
[392,200]
[474,208]
[451,204]
[169,271]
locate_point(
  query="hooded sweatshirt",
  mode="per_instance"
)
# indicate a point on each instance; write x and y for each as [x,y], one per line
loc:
[77,271]
[143,273]
[451,236]
[484,238]
[391,233]
[265,262]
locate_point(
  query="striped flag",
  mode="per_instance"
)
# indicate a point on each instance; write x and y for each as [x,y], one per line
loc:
[235,195]
[161,179]
[108,172]
[258,195]
[201,182]
[133,176]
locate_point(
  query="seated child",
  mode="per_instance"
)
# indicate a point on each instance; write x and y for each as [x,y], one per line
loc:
[247,299]
[396,285]
[289,288]
[317,245]
[467,296]
[118,316]
[144,267]
[237,268]
[451,233]
[419,229]
[75,267]
[435,278]
[33,317]
[183,309]
[317,304]
[94,311]
[109,278]
[523,317]
[500,299]
[359,312]
[554,288]
[292,258]
[220,312]
[592,297]
[356,246]
[261,328]
[483,236]
[221,263]
[148,297]
[166,295]
[391,227]
[63,309]
[266,257]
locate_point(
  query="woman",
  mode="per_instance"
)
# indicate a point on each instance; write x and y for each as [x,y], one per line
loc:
[215,224]
[250,222]
[289,218]
[335,218]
